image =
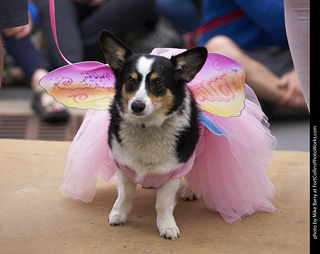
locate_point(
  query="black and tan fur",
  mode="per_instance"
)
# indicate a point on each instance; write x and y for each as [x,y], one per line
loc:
[154,126]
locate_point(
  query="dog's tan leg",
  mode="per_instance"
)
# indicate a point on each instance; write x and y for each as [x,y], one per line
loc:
[123,204]
[166,201]
[188,194]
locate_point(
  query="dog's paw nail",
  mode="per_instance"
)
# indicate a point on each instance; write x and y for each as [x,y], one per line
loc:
[115,224]
[116,220]
[170,233]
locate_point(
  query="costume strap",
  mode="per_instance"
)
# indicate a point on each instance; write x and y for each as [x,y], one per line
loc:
[53,27]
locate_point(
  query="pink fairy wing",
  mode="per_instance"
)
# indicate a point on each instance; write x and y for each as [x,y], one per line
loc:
[219,86]
[84,85]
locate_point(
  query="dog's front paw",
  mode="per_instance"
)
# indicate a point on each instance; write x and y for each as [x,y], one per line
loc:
[188,194]
[115,219]
[170,232]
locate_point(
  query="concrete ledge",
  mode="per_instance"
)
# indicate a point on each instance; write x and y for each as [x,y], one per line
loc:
[36,218]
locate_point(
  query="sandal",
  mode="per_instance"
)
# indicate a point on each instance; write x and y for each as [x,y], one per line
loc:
[59,116]
[13,76]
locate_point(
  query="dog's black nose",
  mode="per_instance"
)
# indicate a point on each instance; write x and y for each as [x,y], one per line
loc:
[138,106]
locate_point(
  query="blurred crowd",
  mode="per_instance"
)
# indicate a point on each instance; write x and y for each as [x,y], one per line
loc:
[269,38]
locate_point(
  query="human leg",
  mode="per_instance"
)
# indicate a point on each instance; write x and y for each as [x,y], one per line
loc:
[35,67]
[68,33]
[264,82]
[1,59]
[297,18]
[120,17]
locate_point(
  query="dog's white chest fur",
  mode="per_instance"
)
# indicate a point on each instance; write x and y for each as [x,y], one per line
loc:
[151,150]
[146,150]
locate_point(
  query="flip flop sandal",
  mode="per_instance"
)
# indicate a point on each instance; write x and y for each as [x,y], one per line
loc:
[59,116]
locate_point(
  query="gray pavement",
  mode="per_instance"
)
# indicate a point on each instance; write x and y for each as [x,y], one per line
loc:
[291,130]
[292,133]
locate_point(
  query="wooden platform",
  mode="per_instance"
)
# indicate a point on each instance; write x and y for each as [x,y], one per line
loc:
[36,218]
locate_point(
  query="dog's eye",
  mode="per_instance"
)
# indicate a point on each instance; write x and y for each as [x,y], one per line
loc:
[130,81]
[157,83]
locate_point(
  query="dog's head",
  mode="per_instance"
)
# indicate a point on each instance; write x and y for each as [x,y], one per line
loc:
[149,86]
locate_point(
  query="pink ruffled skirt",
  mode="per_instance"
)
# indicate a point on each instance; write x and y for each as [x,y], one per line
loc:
[228,171]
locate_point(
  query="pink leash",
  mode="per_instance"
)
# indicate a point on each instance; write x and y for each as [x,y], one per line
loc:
[54,31]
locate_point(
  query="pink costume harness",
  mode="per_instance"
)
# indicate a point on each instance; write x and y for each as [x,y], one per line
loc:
[155,180]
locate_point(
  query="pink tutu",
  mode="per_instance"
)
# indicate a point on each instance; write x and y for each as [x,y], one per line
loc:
[88,158]
[229,170]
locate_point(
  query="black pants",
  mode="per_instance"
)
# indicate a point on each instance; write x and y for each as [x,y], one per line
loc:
[79,26]
[25,55]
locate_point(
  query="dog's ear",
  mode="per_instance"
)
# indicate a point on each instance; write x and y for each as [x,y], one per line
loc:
[114,51]
[189,63]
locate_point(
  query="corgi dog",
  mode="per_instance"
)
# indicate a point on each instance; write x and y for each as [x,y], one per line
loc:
[154,126]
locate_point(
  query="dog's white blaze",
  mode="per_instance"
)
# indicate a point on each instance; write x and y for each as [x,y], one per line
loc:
[144,68]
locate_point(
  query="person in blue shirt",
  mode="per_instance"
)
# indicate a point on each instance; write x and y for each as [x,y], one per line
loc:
[253,33]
